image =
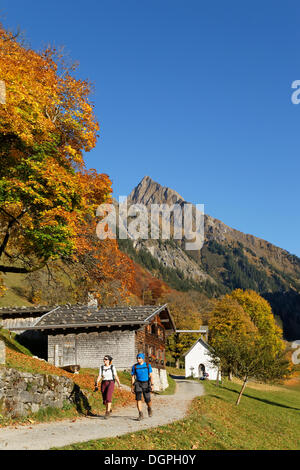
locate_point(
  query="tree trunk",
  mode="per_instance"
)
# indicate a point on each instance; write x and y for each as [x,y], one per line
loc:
[230,375]
[177,363]
[242,390]
[218,377]
[14,269]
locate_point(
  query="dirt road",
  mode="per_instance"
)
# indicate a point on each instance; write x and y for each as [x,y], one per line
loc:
[166,409]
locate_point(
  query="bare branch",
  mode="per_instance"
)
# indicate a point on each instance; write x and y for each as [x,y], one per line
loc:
[15,269]
[13,36]
[12,222]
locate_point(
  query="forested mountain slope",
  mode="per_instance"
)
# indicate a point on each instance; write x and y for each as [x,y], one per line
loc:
[229,259]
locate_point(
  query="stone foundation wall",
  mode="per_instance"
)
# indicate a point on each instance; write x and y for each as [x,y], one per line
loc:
[22,393]
[2,352]
[160,379]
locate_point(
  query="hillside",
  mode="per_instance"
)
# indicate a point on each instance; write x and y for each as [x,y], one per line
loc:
[21,359]
[59,283]
[229,259]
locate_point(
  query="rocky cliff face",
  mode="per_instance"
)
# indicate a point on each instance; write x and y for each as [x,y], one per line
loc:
[170,255]
[149,192]
[229,259]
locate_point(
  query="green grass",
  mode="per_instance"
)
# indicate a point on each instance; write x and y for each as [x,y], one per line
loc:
[50,413]
[10,341]
[125,377]
[171,388]
[267,420]
[175,371]
[15,294]
[44,415]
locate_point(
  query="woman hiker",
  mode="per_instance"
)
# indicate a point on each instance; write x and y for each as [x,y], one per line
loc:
[142,383]
[108,375]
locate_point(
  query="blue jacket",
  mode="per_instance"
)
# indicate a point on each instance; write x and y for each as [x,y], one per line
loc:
[141,371]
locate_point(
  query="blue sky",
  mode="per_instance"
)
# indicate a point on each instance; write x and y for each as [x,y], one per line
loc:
[195,94]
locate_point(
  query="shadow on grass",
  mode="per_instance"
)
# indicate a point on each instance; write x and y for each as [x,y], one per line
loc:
[216,396]
[264,400]
[182,378]
[81,402]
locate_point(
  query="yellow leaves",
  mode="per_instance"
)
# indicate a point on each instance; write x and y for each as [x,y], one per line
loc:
[46,124]
[261,315]
[3,288]
[71,151]
[245,316]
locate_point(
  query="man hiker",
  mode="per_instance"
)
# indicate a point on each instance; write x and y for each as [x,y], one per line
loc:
[108,375]
[142,383]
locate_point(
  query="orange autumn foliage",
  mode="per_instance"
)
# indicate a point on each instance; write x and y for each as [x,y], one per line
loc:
[85,381]
[43,98]
[46,123]
[144,282]
[48,199]
[109,272]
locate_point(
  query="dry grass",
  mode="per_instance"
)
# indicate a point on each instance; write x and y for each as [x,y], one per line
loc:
[258,385]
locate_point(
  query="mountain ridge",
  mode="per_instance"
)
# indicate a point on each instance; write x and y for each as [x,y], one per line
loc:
[229,258]
[135,197]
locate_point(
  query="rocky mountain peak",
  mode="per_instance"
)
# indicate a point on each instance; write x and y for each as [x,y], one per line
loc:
[150,192]
[228,259]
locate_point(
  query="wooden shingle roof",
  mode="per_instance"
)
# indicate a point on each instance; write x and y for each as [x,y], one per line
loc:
[21,311]
[80,315]
[77,316]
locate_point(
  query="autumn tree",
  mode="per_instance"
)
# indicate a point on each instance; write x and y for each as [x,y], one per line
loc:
[246,339]
[104,269]
[46,123]
[229,325]
[48,199]
[260,312]
[147,289]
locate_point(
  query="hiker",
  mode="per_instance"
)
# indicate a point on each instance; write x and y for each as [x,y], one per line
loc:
[108,376]
[142,383]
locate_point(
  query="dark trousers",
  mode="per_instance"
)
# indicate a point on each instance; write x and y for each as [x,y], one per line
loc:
[107,388]
[142,388]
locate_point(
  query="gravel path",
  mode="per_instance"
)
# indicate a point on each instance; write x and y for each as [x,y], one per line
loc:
[166,409]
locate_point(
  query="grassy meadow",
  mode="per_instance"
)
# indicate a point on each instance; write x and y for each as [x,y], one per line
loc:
[268,418]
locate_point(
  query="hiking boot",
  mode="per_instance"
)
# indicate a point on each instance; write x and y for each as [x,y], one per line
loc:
[149,411]
[141,416]
[107,414]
